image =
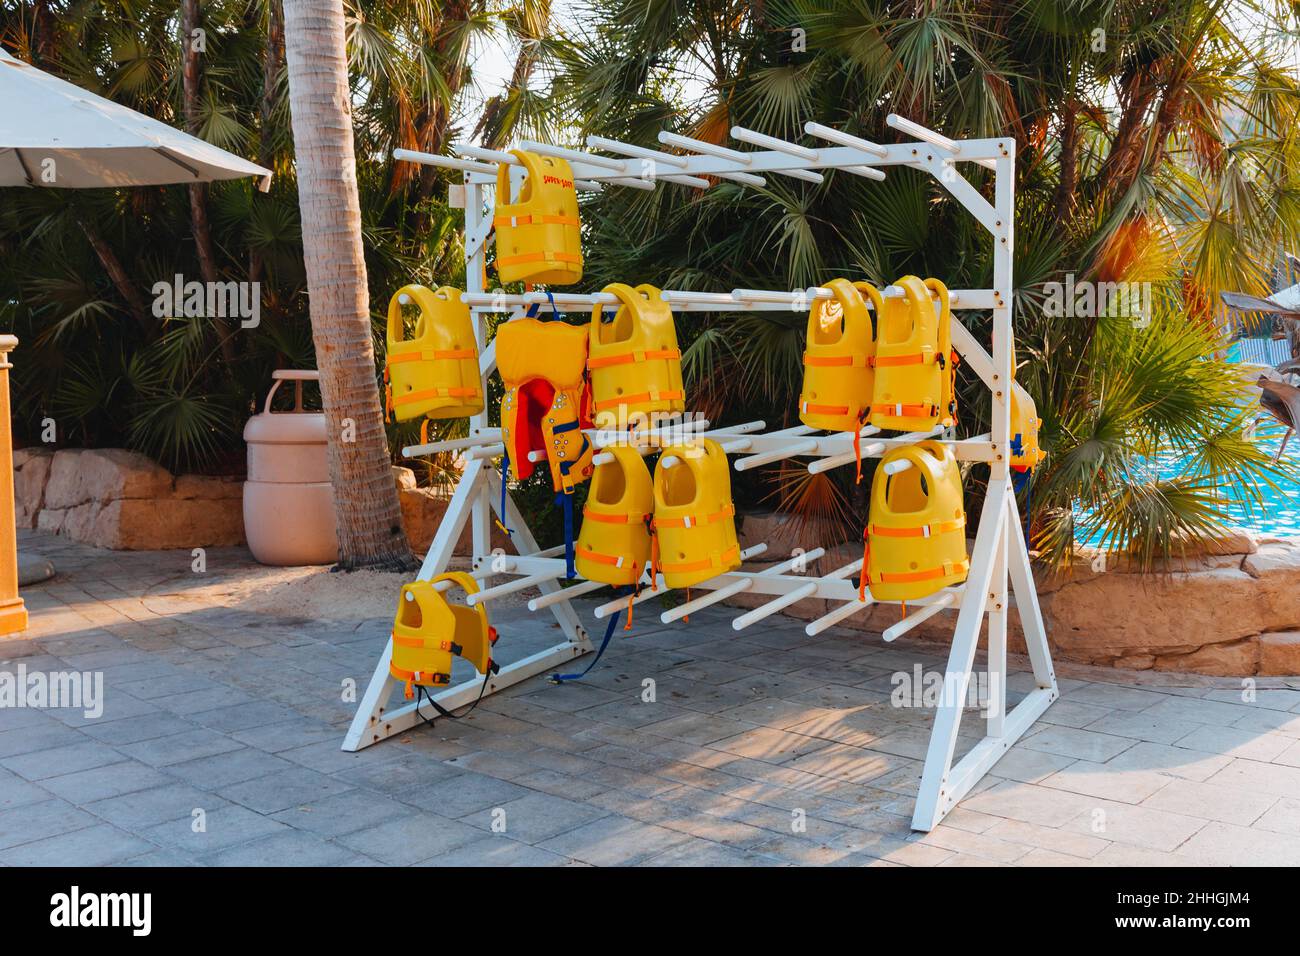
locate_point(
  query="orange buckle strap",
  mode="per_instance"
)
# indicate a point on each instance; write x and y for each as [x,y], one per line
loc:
[631,598]
[629,518]
[641,397]
[628,358]
[424,432]
[809,407]
[942,571]
[458,392]
[855,360]
[688,521]
[613,560]
[429,355]
[538,257]
[703,563]
[918,358]
[901,410]
[919,531]
[535,221]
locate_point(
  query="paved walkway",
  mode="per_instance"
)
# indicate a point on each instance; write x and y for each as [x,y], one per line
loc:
[219,744]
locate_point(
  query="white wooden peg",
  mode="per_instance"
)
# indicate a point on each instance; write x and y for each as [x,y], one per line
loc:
[920,617]
[736,587]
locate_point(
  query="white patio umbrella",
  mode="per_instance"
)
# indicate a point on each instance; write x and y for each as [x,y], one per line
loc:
[94,142]
[55,134]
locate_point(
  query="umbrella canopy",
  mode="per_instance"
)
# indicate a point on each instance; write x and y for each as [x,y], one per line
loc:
[96,142]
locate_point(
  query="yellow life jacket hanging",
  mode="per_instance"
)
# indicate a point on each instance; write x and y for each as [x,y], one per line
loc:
[838,381]
[538,235]
[636,366]
[1025,450]
[695,520]
[915,535]
[915,363]
[436,373]
[614,541]
[428,631]
[545,407]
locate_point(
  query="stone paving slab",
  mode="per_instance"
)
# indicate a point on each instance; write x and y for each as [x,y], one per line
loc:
[219,745]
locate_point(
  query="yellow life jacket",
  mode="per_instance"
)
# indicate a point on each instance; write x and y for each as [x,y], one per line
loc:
[435,373]
[614,542]
[915,536]
[538,236]
[428,631]
[837,375]
[636,366]
[915,364]
[543,366]
[1025,450]
[695,520]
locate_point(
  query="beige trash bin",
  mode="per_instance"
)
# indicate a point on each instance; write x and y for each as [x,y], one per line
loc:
[288,501]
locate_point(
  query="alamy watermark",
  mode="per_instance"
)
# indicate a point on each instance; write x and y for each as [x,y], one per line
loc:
[1089,300]
[53,689]
[208,300]
[919,688]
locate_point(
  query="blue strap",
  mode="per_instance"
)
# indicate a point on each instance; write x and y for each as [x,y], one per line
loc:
[1024,481]
[534,307]
[565,501]
[609,632]
[505,474]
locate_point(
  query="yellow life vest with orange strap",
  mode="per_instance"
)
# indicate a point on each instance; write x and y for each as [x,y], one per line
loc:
[915,365]
[538,235]
[543,366]
[915,535]
[694,520]
[636,366]
[1026,454]
[837,376]
[428,631]
[436,373]
[614,541]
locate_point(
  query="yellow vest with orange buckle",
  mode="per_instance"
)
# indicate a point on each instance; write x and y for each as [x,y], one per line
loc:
[915,537]
[636,366]
[428,631]
[695,520]
[436,373]
[915,365]
[837,377]
[614,541]
[538,235]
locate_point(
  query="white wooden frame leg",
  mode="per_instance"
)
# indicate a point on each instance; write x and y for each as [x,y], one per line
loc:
[944,783]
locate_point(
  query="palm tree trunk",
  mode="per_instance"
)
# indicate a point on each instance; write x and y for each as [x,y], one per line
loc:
[272,62]
[365,495]
[118,274]
[199,223]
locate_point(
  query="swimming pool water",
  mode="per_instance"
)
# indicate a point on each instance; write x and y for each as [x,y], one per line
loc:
[1279,513]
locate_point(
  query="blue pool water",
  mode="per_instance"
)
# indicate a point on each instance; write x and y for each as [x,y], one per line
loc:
[1278,515]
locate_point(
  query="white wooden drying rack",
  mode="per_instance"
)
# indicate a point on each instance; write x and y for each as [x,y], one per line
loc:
[999,551]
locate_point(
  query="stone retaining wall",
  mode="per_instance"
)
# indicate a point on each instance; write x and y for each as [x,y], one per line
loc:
[113,498]
[119,499]
[1231,609]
